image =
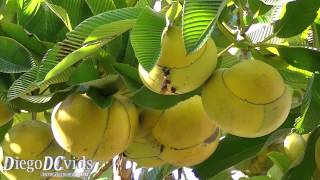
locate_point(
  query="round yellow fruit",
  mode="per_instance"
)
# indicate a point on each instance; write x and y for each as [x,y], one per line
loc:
[249,99]
[19,142]
[294,147]
[177,72]
[6,114]
[84,129]
[29,140]
[186,133]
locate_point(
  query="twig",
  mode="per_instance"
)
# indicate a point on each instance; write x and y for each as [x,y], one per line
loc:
[225,50]
[102,169]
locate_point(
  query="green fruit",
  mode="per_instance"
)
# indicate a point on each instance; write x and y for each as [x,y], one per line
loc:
[176,72]
[249,99]
[108,132]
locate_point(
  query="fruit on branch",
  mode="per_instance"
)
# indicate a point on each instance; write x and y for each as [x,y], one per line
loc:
[294,147]
[29,140]
[249,99]
[108,131]
[182,135]
[186,133]
[145,150]
[6,114]
[176,72]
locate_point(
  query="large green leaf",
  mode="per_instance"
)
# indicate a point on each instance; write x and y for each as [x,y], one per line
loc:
[199,18]
[72,49]
[100,6]
[157,101]
[14,58]
[109,31]
[298,16]
[61,13]
[310,107]
[77,10]
[18,33]
[146,37]
[129,75]
[144,3]
[24,84]
[305,170]
[158,173]
[301,57]
[33,14]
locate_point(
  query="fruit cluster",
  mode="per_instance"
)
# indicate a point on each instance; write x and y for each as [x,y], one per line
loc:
[249,99]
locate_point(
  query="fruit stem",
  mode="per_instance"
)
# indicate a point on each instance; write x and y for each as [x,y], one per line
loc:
[225,50]
[102,169]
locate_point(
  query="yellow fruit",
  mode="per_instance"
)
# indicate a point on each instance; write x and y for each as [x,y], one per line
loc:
[29,140]
[176,72]
[84,129]
[145,151]
[294,147]
[6,114]
[249,99]
[186,133]
[21,143]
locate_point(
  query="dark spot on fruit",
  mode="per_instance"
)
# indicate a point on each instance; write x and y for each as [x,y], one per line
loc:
[167,81]
[173,90]
[85,149]
[161,148]
[166,71]
[213,136]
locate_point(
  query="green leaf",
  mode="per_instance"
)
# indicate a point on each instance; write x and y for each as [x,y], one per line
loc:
[157,101]
[70,48]
[77,10]
[18,33]
[146,3]
[158,173]
[61,13]
[73,58]
[34,13]
[232,150]
[86,71]
[20,103]
[310,107]
[298,16]
[280,159]
[14,58]
[24,84]
[146,37]
[258,7]
[129,75]
[199,18]
[100,6]
[109,31]
[305,170]
[100,98]
[4,129]
[301,57]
